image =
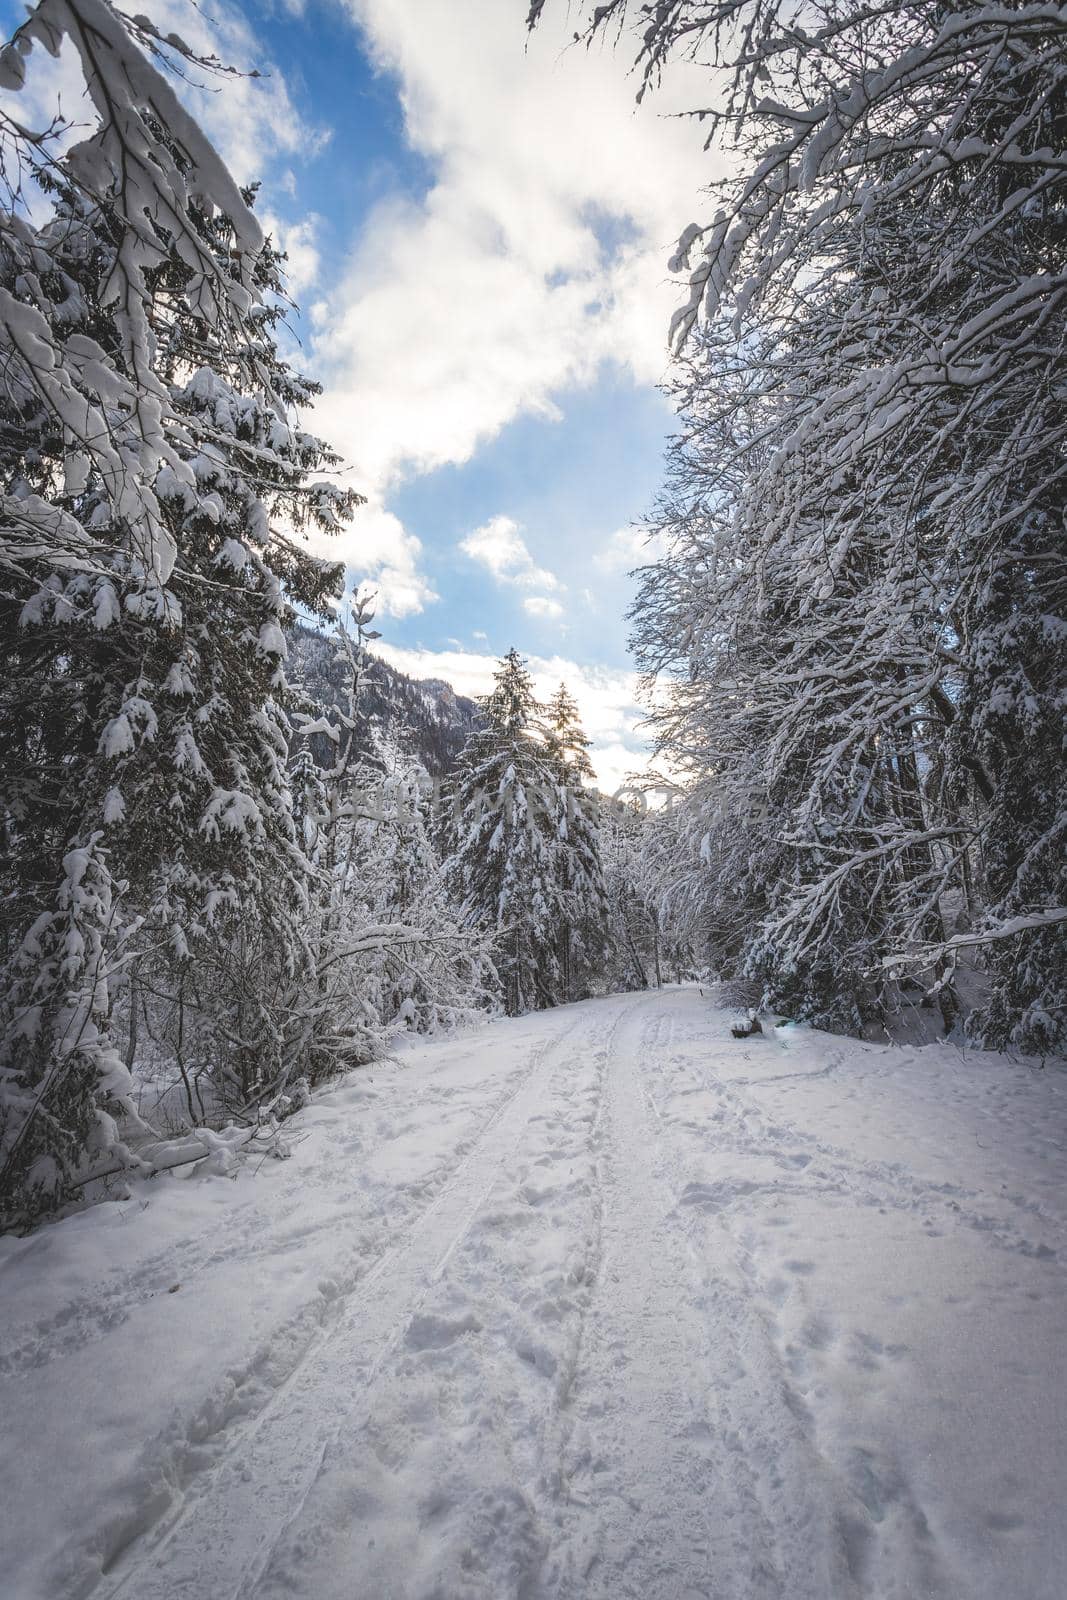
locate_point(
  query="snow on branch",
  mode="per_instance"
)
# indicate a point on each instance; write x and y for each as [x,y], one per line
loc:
[1029,922]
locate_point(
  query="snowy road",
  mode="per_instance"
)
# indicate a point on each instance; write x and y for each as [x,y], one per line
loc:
[598,1303]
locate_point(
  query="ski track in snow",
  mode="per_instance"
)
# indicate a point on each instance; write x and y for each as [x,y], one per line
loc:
[599,1303]
[262,1484]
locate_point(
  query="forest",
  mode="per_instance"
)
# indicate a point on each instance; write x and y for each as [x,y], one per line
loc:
[239,856]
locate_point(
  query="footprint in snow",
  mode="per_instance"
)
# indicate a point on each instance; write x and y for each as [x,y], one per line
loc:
[1003,1521]
[817,1333]
[435,1333]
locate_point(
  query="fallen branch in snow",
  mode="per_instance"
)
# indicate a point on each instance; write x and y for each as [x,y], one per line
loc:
[210,1144]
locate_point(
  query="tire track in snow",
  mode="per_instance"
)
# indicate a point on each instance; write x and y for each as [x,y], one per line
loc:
[435,1489]
[249,1236]
[659,1490]
[857,1517]
[219,1527]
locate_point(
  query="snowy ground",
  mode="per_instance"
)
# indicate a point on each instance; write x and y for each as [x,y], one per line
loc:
[598,1303]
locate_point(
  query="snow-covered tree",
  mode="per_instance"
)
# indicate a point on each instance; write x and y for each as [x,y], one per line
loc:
[862,604]
[504,864]
[634,960]
[155,484]
[583,938]
[654,925]
[434,971]
[389,948]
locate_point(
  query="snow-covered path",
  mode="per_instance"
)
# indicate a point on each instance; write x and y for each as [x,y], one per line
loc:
[598,1303]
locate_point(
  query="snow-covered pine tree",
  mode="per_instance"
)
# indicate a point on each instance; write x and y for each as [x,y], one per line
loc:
[503,865]
[583,937]
[567,744]
[154,477]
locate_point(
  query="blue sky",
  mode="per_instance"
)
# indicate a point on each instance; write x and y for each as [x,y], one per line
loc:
[478,227]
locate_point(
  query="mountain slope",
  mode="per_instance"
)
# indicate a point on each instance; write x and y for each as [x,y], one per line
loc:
[424,716]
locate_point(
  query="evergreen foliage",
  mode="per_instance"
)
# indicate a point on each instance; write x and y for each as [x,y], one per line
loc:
[583,943]
[156,481]
[525,833]
[504,861]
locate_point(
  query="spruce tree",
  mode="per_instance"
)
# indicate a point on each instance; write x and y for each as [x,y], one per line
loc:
[504,861]
[156,481]
[582,942]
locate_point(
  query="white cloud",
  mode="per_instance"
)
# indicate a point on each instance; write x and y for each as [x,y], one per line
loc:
[607,699]
[498,546]
[299,242]
[626,549]
[381,555]
[389,559]
[491,295]
[539,605]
